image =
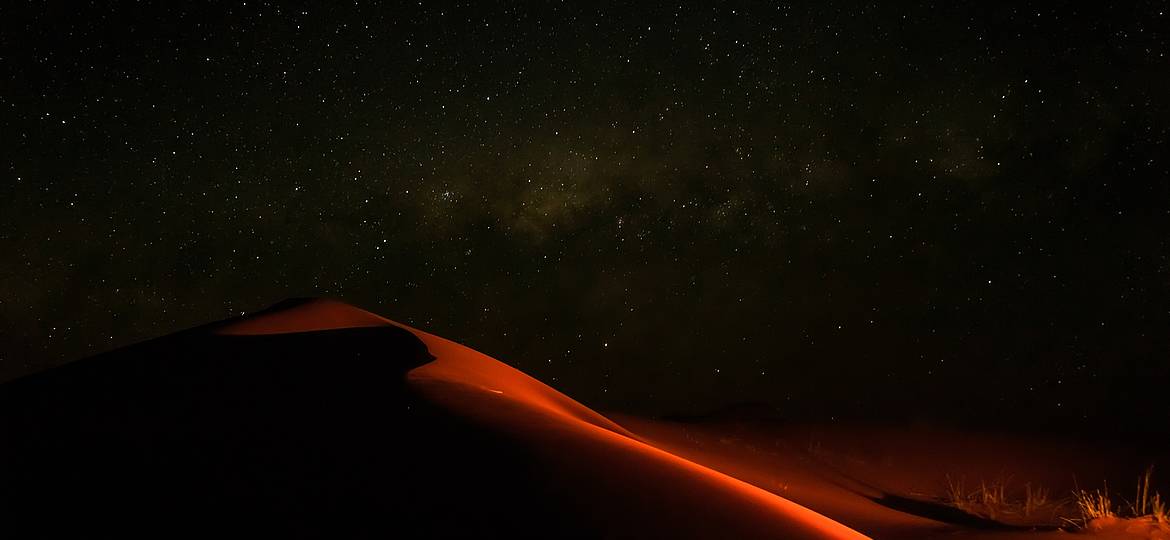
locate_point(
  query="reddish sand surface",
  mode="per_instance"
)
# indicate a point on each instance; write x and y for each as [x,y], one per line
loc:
[635,477]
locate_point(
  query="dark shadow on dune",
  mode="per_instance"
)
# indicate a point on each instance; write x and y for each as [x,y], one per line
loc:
[947,514]
[312,434]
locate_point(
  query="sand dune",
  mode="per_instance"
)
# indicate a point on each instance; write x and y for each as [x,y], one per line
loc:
[619,481]
[317,419]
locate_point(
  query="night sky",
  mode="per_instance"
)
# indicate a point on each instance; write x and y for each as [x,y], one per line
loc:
[840,210]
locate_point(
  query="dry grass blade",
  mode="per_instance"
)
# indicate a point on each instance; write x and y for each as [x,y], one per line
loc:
[1034,499]
[1095,504]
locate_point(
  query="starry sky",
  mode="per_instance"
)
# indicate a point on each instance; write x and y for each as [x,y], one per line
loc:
[840,209]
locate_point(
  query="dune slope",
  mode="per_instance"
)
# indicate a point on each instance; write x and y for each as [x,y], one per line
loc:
[314,418]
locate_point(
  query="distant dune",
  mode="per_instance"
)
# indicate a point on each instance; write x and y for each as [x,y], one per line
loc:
[317,419]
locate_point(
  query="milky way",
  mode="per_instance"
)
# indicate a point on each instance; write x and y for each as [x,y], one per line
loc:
[835,209]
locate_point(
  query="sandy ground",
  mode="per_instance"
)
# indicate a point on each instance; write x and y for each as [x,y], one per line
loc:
[317,419]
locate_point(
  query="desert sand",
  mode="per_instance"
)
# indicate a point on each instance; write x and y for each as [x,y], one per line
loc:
[317,419]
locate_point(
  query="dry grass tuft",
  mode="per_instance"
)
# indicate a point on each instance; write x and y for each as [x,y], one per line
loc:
[956,496]
[1034,499]
[991,500]
[1146,504]
[1094,505]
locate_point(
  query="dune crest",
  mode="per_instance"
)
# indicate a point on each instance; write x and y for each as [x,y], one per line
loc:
[301,315]
[453,363]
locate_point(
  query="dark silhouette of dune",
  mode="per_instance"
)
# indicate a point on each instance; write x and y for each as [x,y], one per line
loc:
[317,419]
